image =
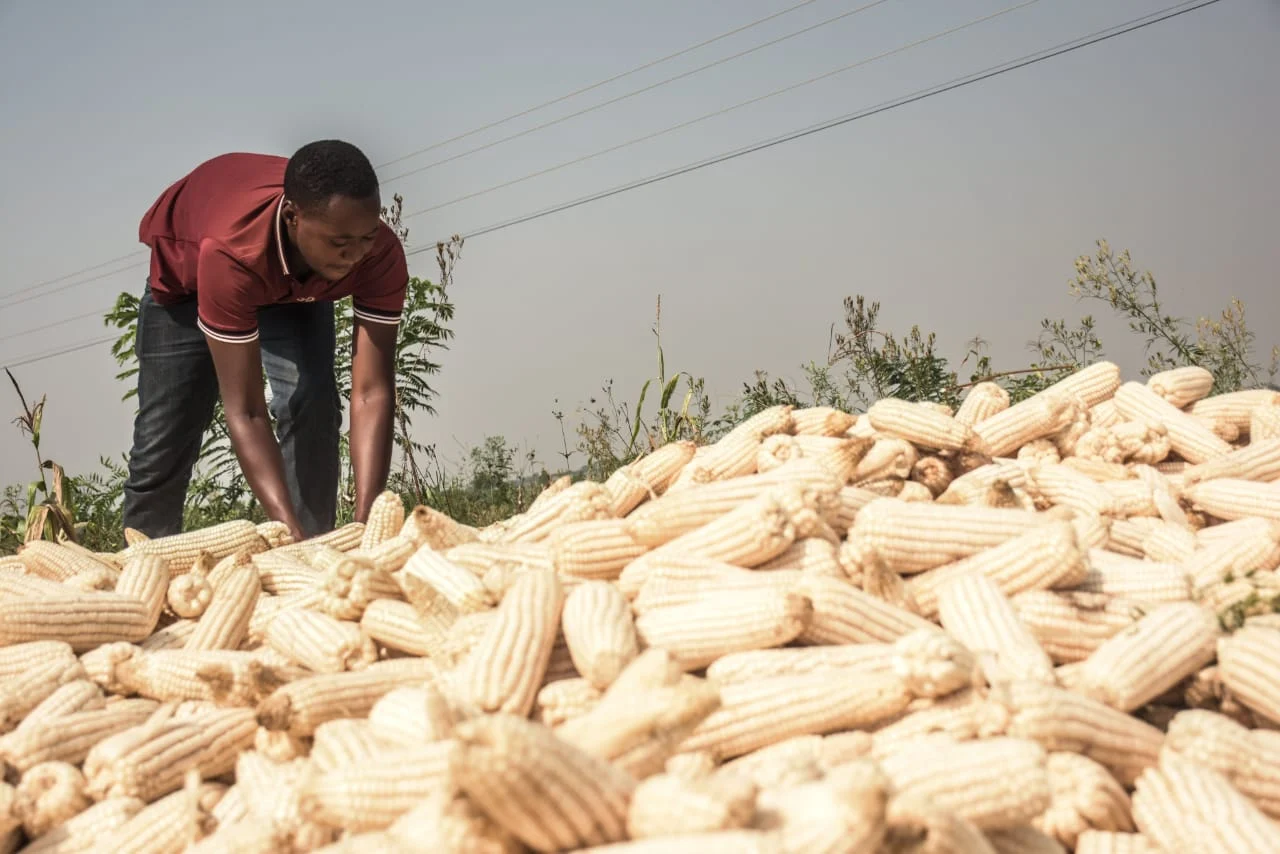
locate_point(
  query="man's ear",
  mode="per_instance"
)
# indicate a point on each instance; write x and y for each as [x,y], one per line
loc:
[289,213]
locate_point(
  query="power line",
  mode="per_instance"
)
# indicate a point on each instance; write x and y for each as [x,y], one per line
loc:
[65,287]
[40,357]
[642,67]
[721,111]
[28,330]
[607,80]
[1060,49]
[1095,37]
[636,92]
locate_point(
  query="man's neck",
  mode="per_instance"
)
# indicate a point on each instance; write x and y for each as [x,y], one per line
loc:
[297,266]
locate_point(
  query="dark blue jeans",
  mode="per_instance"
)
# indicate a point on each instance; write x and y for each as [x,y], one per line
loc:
[177,390]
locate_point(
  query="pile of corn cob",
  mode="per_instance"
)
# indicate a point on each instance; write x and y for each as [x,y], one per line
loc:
[1007,629]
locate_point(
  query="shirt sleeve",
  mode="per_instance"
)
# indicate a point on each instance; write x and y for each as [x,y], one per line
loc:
[226,305]
[381,295]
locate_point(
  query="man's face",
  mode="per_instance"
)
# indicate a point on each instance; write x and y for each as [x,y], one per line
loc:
[332,238]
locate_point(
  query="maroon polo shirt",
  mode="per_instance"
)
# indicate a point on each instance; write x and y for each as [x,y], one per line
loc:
[216,236]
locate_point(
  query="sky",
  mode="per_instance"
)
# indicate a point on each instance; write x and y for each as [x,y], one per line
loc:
[962,213]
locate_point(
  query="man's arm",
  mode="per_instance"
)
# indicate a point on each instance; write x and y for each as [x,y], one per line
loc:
[239,368]
[373,391]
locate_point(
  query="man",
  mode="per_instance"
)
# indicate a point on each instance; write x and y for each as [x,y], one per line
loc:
[248,252]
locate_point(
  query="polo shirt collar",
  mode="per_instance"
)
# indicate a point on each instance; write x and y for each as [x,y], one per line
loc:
[284,264]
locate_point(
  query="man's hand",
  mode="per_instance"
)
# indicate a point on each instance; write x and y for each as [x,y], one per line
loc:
[373,394]
[239,369]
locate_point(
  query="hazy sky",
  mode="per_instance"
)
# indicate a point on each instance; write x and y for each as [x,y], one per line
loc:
[962,213]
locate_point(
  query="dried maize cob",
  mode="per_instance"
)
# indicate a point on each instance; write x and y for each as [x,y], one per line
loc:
[461,587]
[386,518]
[20,694]
[1249,663]
[1248,550]
[68,738]
[319,642]
[1248,762]
[169,825]
[1167,645]
[373,794]
[1085,796]
[806,555]
[683,582]
[1143,581]
[189,595]
[1039,416]
[1183,806]
[1183,386]
[599,631]
[146,578]
[84,620]
[933,473]
[1071,625]
[756,664]
[1023,840]
[820,421]
[1046,556]
[1106,842]
[544,791]
[889,458]
[1166,543]
[597,548]
[743,619]
[843,812]
[1235,407]
[1235,498]
[565,699]
[993,783]
[49,794]
[582,501]
[282,573]
[150,760]
[1257,461]
[19,657]
[843,613]
[1264,422]
[983,401]
[914,823]
[778,766]
[665,805]
[974,611]
[913,537]
[219,541]
[303,704]
[412,714]
[922,426]
[400,626]
[734,454]
[504,669]
[225,622]
[271,794]
[445,821]
[83,831]
[1061,720]
[1190,438]
[78,695]
[56,562]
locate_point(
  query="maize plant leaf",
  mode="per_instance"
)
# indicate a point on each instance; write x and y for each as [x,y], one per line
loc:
[669,390]
[60,521]
[35,523]
[635,423]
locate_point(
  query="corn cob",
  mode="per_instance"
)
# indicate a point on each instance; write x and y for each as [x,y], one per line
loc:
[1249,663]
[1257,461]
[914,823]
[843,812]
[684,582]
[444,821]
[146,578]
[1167,645]
[994,783]
[479,557]
[219,541]
[599,631]
[150,760]
[756,664]
[49,794]
[820,421]
[1248,550]
[303,704]
[807,555]
[402,627]
[912,537]
[734,454]
[1166,543]
[1190,438]
[1142,441]
[597,548]
[564,700]
[19,657]
[664,804]
[1062,720]
[319,642]
[743,619]
[505,668]
[922,426]
[1044,557]
[78,695]
[1106,842]
[676,514]
[1235,407]
[1039,416]
[386,518]
[1264,422]
[844,614]
[1246,760]
[1182,387]
[271,794]
[225,622]
[69,737]
[282,573]
[1143,581]
[1181,805]
[933,473]
[544,791]
[462,588]
[82,832]
[412,715]
[170,824]
[974,611]
[1235,498]
[189,595]
[56,562]
[350,581]
[890,458]
[983,401]
[373,794]
[1023,839]
[83,620]
[1085,796]
[1071,625]
[580,502]
[850,500]
[20,694]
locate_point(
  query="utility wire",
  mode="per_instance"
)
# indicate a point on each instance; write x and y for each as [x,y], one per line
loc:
[635,92]
[575,161]
[607,80]
[461,136]
[70,285]
[1096,37]
[919,95]
[28,330]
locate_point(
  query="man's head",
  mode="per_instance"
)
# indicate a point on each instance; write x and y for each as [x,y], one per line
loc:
[331,205]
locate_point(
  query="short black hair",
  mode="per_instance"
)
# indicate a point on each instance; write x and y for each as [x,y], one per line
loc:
[326,168]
